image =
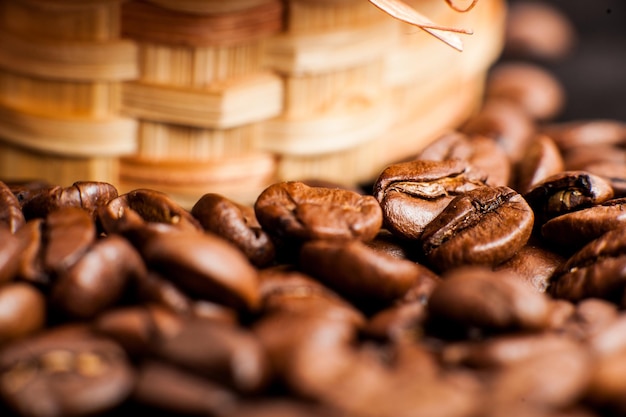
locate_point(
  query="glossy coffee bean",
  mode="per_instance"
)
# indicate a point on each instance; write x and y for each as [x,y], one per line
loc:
[88,195]
[594,132]
[66,371]
[358,272]
[11,216]
[566,192]
[413,193]
[534,265]
[98,279]
[22,311]
[478,297]
[596,270]
[11,247]
[295,211]
[67,234]
[530,86]
[237,224]
[484,226]
[541,160]
[201,264]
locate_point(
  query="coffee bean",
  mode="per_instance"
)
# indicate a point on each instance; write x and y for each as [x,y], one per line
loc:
[295,211]
[10,248]
[541,160]
[11,215]
[484,226]
[22,311]
[594,132]
[534,265]
[67,235]
[412,194]
[66,371]
[237,224]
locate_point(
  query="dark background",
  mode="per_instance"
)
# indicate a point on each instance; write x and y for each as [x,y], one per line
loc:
[594,74]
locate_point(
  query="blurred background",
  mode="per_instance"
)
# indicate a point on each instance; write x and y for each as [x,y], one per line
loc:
[594,72]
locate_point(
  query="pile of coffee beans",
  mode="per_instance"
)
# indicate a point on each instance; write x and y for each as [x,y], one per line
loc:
[484,277]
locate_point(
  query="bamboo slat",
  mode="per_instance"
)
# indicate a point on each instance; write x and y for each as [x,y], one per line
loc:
[114,60]
[71,20]
[222,105]
[69,136]
[330,51]
[356,122]
[20,164]
[198,66]
[169,142]
[322,16]
[148,22]
[52,98]
[310,94]
[239,178]
[210,6]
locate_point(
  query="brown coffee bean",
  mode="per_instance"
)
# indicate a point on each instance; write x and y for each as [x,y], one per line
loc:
[88,195]
[399,322]
[534,265]
[480,152]
[588,317]
[613,172]
[484,226]
[282,407]
[10,248]
[530,86]
[479,297]
[360,273]
[412,194]
[237,224]
[11,216]
[541,160]
[168,388]
[98,279]
[31,262]
[68,233]
[594,132]
[610,338]
[201,264]
[295,211]
[224,353]
[537,30]
[576,229]
[22,311]
[505,122]
[387,242]
[607,385]
[287,290]
[64,372]
[596,270]
[566,192]
[140,206]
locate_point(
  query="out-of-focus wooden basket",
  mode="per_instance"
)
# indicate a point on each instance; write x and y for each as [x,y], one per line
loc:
[197,96]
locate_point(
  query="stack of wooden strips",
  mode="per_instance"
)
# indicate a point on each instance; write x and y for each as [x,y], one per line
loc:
[364,90]
[62,64]
[201,96]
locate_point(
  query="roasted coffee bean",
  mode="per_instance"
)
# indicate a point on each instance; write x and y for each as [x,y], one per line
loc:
[387,242]
[588,317]
[412,194]
[31,264]
[10,248]
[143,205]
[576,229]
[541,160]
[399,322]
[610,338]
[66,371]
[68,233]
[530,86]
[566,192]
[294,211]
[22,311]
[572,134]
[614,173]
[478,297]
[480,152]
[202,264]
[505,122]
[358,272]
[287,290]
[580,157]
[607,385]
[534,265]
[237,224]
[224,353]
[596,270]
[88,195]
[98,279]
[484,226]
[538,31]
[168,388]
[11,216]
[25,190]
